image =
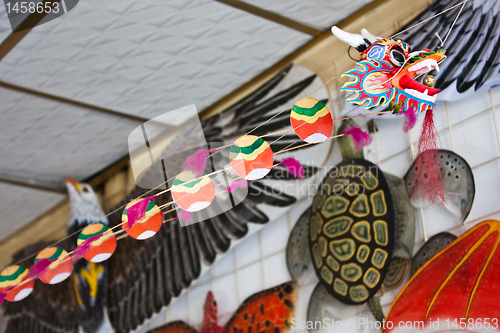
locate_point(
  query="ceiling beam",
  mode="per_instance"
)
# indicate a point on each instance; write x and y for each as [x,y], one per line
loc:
[271,16]
[33,186]
[69,101]
[10,43]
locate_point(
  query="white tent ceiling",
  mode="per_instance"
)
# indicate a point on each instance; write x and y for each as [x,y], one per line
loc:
[140,58]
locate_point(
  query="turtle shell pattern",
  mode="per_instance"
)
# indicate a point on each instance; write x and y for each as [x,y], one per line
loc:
[351,231]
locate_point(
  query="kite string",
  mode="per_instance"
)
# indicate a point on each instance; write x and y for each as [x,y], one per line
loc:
[453,24]
[430,18]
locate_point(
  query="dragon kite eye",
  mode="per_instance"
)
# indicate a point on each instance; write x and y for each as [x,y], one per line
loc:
[397,57]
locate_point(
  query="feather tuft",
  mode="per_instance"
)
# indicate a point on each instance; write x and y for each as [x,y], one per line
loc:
[39,268]
[137,211]
[2,297]
[361,138]
[410,119]
[186,217]
[82,249]
[293,167]
[197,162]
[237,184]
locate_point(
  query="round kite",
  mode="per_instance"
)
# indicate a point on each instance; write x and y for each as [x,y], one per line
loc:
[192,193]
[311,120]
[102,248]
[10,278]
[147,226]
[251,157]
[58,271]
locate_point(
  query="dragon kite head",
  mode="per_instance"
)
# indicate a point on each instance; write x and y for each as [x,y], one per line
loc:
[387,72]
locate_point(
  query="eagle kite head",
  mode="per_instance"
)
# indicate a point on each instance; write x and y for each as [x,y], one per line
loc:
[387,72]
[85,207]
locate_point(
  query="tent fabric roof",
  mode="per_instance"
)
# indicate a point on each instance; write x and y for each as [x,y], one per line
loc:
[140,58]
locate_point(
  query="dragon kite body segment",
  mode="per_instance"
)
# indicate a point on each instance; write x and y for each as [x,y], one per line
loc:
[387,72]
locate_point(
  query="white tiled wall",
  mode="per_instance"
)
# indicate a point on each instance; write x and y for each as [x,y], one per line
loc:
[469,127]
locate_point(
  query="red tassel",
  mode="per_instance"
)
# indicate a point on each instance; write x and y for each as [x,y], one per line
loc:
[429,186]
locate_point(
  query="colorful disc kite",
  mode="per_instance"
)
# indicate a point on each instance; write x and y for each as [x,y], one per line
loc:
[191,193]
[251,157]
[58,271]
[147,226]
[311,120]
[100,249]
[10,278]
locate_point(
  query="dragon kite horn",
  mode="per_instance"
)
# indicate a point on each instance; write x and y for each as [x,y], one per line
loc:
[368,35]
[360,42]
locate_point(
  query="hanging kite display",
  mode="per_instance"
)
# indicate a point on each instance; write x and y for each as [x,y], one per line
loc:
[387,73]
[102,248]
[10,283]
[361,228]
[270,310]
[387,77]
[358,242]
[466,271]
[149,224]
[192,193]
[251,157]
[60,267]
[177,265]
[311,120]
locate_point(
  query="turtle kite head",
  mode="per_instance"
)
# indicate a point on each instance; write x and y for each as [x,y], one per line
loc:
[387,72]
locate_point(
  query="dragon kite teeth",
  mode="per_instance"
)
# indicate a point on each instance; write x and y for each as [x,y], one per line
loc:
[424,66]
[425,95]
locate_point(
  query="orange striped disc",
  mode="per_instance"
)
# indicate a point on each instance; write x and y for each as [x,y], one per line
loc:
[58,270]
[12,277]
[311,120]
[251,157]
[148,226]
[192,193]
[102,248]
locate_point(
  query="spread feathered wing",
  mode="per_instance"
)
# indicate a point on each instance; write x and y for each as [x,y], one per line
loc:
[145,276]
[473,60]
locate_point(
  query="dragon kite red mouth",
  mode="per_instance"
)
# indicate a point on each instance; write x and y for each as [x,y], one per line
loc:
[414,88]
[407,82]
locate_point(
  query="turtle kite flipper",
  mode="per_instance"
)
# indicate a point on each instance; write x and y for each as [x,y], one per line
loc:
[298,259]
[323,305]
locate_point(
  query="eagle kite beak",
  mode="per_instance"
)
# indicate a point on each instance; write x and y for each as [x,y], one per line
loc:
[75,184]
